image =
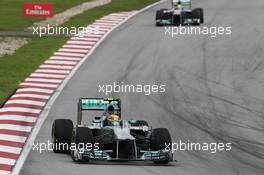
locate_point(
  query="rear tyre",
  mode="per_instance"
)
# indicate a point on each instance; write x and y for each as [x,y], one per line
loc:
[61,135]
[198,13]
[160,138]
[83,137]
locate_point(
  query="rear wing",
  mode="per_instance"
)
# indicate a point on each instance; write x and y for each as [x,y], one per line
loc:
[96,104]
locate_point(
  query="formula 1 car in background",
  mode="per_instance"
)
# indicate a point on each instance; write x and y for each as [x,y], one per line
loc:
[115,139]
[181,13]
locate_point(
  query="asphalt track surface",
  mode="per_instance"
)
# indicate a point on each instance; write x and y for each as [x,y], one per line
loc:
[214,92]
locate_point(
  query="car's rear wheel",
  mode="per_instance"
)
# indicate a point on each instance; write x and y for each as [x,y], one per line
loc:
[198,13]
[83,139]
[61,135]
[160,139]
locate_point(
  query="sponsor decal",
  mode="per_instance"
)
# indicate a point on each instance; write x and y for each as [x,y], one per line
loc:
[41,10]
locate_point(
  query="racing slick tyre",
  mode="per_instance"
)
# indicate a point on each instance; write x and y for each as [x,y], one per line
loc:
[159,16]
[160,137]
[198,13]
[140,123]
[61,135]
[181,19]
[83,137]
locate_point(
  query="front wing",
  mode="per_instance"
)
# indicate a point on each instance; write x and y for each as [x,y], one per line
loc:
[160,155]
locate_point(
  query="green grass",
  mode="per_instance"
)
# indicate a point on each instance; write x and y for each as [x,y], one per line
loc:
[15,68]
[115,6]
[11,17]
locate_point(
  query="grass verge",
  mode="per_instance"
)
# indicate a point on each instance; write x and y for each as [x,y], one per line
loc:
[15,68]
[11,12]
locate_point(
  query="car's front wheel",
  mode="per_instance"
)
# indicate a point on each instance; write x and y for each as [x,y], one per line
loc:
[82,138]
[198,13]
[159,16]
[61,135]
[160,140]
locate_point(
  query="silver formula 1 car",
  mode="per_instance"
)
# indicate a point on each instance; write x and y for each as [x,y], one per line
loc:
[109,137]
[181,13]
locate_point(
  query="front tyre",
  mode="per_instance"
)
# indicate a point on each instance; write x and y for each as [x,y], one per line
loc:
[159,16]
[83,137]
[198,13]
[61,135]
[160,140]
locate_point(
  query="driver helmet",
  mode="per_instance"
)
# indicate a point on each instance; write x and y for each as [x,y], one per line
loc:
[110,109]
[179,4]
[114,117]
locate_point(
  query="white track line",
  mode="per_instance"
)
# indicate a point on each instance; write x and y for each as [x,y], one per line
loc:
[7,161]
[64,58]
[35,90]
[85,39]
[2,172]
[60,62]
[52,71]
[18,118]
[47,75]
[74,50]
[26,102]
[16,127]
[98,28]
[32,96]
[93,32]
[116,15]
[106,25]
[98,25]
[103,29]
[20,109]
[43,80]
[90,36]
[113,18]
[13,138]
[72,46]
[10,149]
[80,42]
[39,85]
[69,54]
[57,67]
[102,20]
